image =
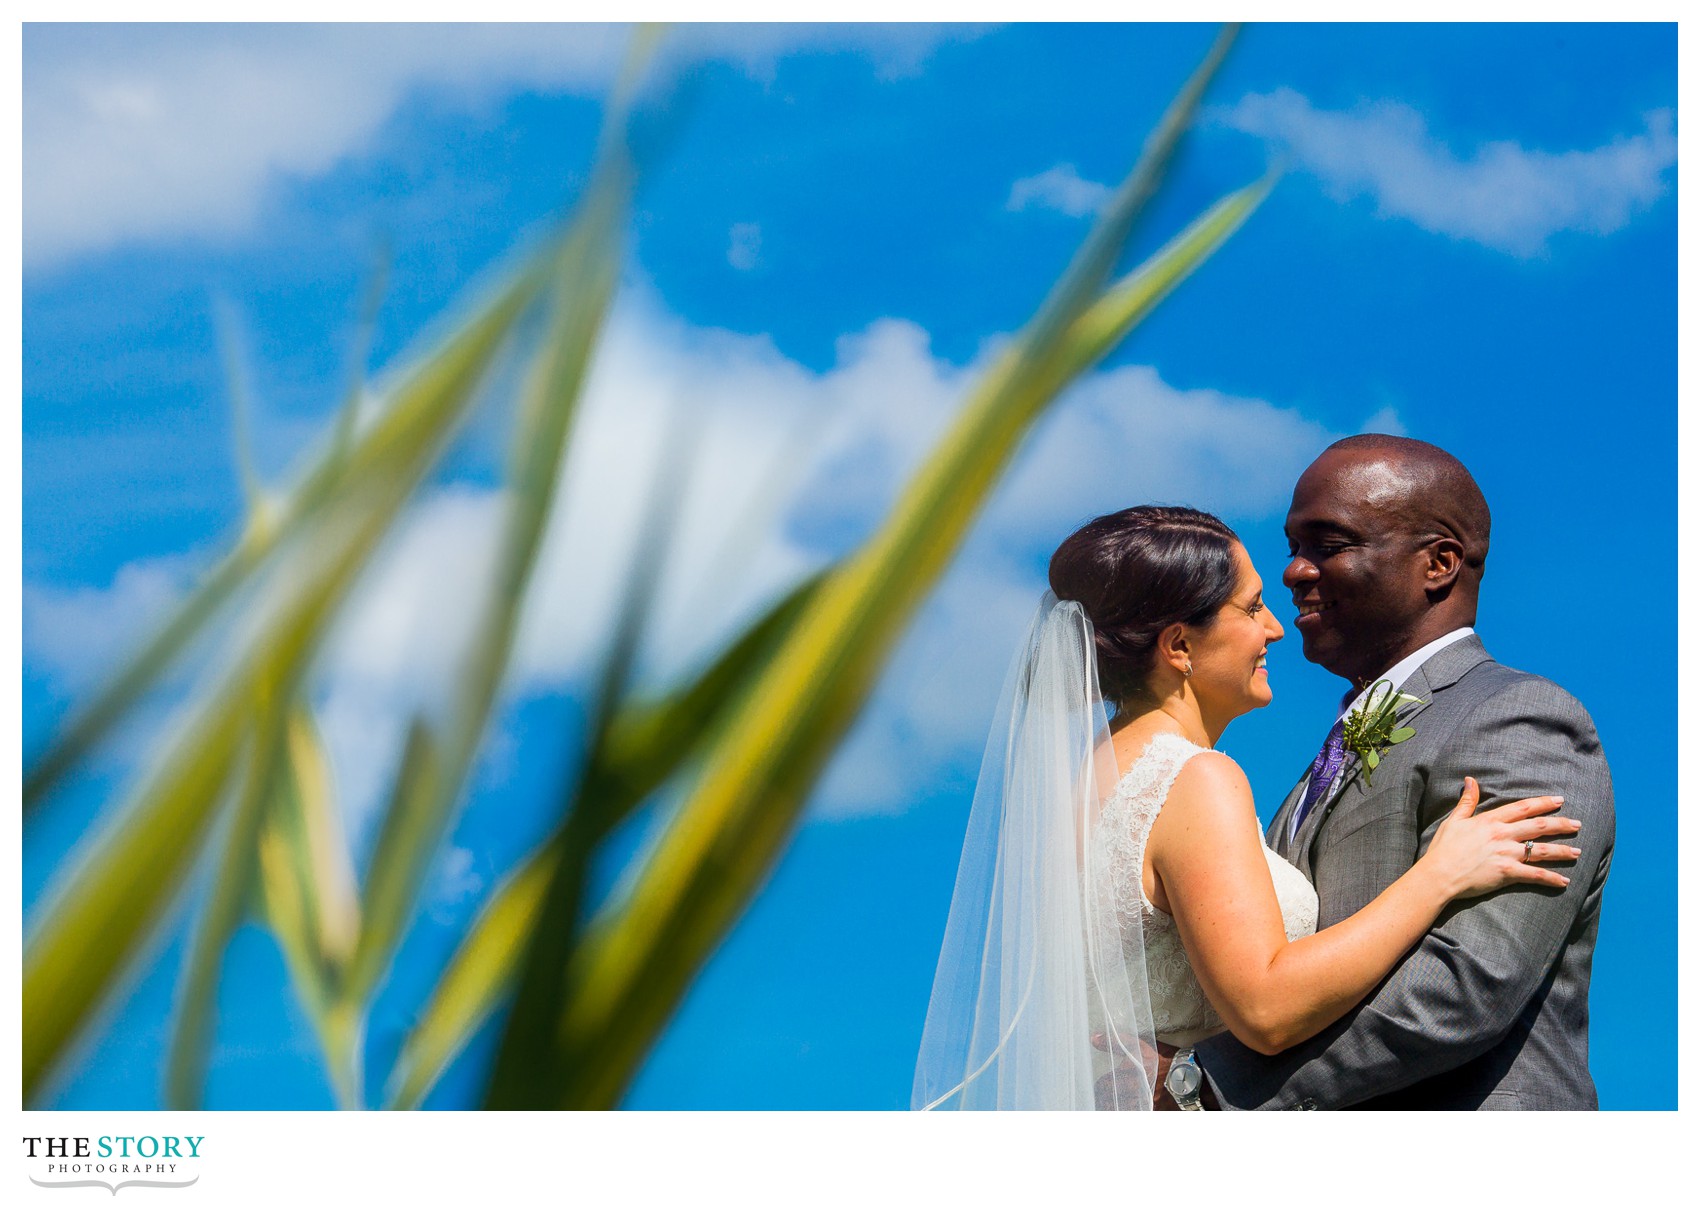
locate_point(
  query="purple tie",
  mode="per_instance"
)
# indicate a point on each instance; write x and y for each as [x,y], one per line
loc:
[1322,771]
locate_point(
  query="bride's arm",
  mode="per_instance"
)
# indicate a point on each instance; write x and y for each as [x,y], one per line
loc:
[1206,852]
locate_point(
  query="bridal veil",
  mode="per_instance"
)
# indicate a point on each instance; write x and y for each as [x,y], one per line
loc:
[1034,963]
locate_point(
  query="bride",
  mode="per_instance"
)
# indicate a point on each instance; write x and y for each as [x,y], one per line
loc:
[1114,889]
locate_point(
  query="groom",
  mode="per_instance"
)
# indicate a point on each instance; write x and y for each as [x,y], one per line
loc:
[1490,1011]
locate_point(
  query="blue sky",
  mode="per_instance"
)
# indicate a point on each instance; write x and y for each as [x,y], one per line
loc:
[1474,243]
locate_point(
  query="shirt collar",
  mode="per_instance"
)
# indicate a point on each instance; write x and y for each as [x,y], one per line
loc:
[1404,669]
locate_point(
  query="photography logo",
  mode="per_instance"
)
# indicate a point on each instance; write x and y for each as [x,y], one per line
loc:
[113,1162]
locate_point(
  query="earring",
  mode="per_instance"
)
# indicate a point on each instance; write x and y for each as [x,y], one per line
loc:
[1187,672]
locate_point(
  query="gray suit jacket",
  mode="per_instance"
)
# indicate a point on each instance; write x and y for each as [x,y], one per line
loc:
[1490,1010]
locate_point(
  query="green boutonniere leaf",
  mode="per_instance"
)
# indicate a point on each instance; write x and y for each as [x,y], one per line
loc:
[1369,730]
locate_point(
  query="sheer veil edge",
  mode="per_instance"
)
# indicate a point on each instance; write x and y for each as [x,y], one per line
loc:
[1034,963]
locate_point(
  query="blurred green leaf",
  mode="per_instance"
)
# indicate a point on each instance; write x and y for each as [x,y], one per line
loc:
[1101,326]
[406,830]
[193,1023]
[93,924]
[645,744]
[1093,262]
[474,981]
[646,741]
[306,830]
[635,962]
[585,274]
[342,435]
[546,950]
[309,894]
[423,410]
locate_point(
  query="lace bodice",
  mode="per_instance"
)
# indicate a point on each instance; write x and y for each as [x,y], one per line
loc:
[1183,1014]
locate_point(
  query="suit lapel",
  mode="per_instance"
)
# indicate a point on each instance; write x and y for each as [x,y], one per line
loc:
[1432,676]
[1281,828]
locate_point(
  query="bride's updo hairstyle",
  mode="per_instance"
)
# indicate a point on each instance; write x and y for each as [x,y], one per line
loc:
[1136,572]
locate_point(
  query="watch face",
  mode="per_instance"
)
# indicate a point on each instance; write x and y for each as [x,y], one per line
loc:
[1184,1081]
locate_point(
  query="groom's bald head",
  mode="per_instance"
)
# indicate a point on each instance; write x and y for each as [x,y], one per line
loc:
[1431,489]
[1388,539]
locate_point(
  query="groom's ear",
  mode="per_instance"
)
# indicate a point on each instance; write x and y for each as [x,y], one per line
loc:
[1445,559]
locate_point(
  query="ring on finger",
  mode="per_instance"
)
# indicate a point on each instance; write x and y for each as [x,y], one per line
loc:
[1528,849]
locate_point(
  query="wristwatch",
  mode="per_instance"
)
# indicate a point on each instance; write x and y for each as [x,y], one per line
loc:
[1185,1082]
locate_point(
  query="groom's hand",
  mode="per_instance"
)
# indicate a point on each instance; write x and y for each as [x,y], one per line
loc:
[1124,1085]
[1164,1100]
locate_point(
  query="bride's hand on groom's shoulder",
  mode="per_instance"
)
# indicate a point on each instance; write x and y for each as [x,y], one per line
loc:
[1474,853]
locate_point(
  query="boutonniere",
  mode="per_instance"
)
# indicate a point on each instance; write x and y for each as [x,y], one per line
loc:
[1369,729]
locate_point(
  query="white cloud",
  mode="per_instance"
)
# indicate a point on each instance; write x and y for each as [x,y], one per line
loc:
[1059,188]
[428,585]
[1126,436]
[896,49]
[788,468]
[150,131]
[1501,194]
[1385,419]
[78,633]
[743,251]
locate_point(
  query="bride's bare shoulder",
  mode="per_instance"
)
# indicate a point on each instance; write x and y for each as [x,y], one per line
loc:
[1211,783]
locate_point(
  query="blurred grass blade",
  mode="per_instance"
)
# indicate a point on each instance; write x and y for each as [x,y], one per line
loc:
[635,963]
[1092,263]
[97,924]
[305,829]
[343,434]
[585,275]
[424,408]
[194,1020]
[643,746]
[646,742]
[1128,301]
[385,897]
[543,969]
[92,722]
[96,921]
[309,895]
[474,981]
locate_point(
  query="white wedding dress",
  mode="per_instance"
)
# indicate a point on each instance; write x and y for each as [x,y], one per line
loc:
[1183,1015]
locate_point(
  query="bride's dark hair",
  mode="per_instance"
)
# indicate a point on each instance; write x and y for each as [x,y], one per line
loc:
[1138,571]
